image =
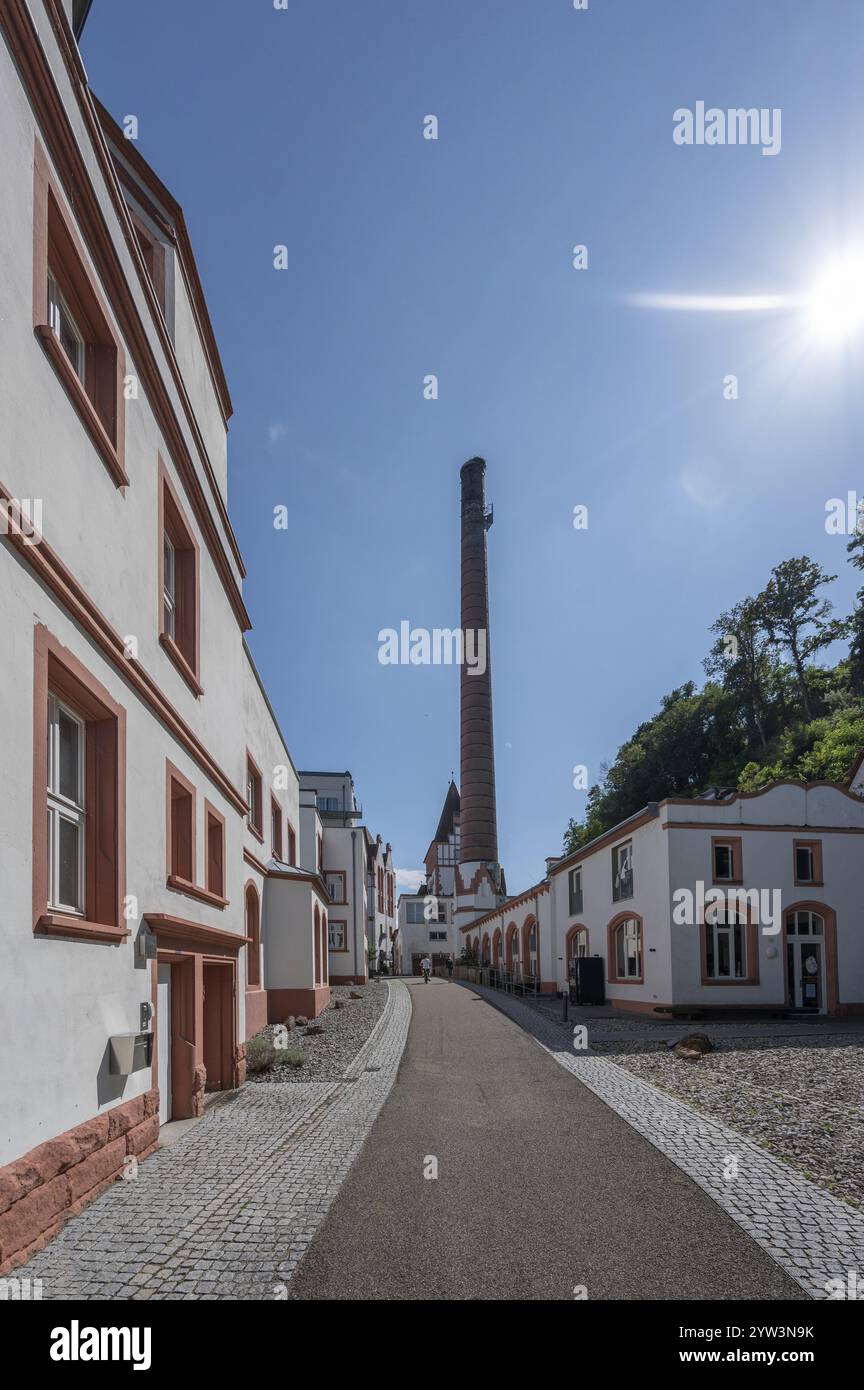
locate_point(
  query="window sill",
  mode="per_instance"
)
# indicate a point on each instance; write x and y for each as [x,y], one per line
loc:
[83,405]
[727,883]
[173,651]
[735,980]
[63,924]
[253,830]
[632,981]
[192,890]
[809,883]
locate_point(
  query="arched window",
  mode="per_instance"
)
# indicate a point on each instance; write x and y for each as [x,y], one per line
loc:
[530,965]
[253,931]
[325,963]
[512,947]
[577,947]
[317,979]
[626,949]
[496,948]
[484,954]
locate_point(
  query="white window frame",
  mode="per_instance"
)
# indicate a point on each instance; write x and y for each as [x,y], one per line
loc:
[574,890]
[343,931]
[60,807]
[717,923]
[57,310]
[620,930]
[169,586]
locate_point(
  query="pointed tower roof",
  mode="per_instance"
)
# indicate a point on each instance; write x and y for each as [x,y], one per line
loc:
[450,811]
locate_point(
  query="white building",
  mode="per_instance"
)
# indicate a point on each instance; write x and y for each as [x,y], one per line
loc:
[427,918]
[358,870]
[729,901]
[162,896]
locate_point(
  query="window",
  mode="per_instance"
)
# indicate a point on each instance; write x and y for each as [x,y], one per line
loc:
[328,803]
[808,861]
[627,949]
[726,859]
[574,888]
[253,944]
[320,859]
[79,800]
[215,851]
[178,586]
[805,924]
[254,798]
[65,329]
[337,936]
[380,889]
[66,815]
[276,827]
[154,253]
[725,952]
[437,936]
[292,845]
[72,323]
[577,947]
[336,882]
[414,913]
[181,827]
[622,872]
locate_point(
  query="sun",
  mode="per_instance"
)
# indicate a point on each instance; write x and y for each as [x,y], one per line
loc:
[835,304]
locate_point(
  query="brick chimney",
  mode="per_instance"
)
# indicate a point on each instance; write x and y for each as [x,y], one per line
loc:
[478,825]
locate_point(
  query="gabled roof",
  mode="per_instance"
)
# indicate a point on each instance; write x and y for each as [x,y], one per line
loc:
[451,810]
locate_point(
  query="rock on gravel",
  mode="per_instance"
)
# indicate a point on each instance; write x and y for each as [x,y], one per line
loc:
[329,1053]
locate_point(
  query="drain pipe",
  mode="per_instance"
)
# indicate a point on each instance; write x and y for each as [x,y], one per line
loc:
[354,896]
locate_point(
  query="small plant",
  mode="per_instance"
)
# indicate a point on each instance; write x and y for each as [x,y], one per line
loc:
[295,1058]
[260,1055]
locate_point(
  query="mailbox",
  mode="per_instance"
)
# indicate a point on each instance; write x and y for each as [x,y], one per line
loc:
[130,1052]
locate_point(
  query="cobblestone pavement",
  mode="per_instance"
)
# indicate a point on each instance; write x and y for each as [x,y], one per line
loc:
[810,1234]
[229,1210]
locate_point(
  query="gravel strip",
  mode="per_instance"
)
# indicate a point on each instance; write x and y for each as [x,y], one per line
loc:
[802,1101]
[328,1055]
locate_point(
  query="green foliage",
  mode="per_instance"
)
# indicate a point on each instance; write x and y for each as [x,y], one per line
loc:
[767,711]
[260,1055]
[290,1058]
[469,956]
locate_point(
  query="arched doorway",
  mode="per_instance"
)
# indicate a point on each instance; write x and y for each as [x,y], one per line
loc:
[484,950]
[317,979]
[512,947]
[810,957]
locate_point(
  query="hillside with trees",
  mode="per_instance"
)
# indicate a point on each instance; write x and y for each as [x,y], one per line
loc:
[766,710]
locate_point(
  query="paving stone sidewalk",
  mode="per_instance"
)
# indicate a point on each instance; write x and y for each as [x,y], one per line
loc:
[228,1211]
[813,1237]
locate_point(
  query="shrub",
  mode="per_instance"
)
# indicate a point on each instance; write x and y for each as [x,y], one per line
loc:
[260,1055]
[295,1058]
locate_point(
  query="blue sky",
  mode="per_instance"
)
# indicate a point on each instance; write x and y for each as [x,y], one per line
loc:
[453,257]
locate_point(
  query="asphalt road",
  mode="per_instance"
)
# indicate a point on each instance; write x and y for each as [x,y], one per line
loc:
[540,1187]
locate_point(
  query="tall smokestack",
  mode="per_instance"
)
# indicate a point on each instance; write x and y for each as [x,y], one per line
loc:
[478,826]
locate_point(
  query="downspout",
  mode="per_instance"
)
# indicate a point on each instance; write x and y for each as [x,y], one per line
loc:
[354,893]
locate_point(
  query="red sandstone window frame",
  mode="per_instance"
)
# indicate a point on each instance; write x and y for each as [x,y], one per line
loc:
[252,926]
[181,839]
[154,254]
[292,843]
[98,399]
[615,926]
[275,827]
[254,798]
[58,672]
[184,645]
[214,849]
[815,848]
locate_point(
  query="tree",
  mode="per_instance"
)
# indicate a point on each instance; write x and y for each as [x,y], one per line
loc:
[789,605]
[741,657]
[856,622]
